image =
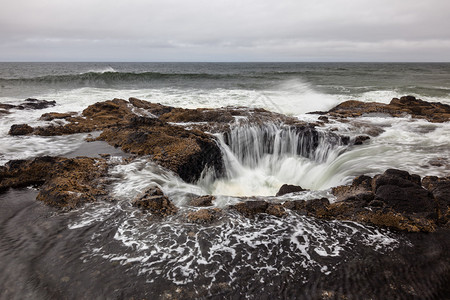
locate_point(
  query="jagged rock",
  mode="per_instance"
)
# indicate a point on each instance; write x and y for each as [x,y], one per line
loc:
[394,199]
[403,192]
[73,182]
[203,201]
[22,173]
[54,115]
[324,119]
[65,183]
[185,152]
[440,188]
[153,108]
[198,115]
[360,185]
[251,208]
[314,207]
[360,139]
[288,188]
[276,210]
[432,111]
[204,216]
[6,106]
[31,103]
[20,129]
[154,201]
[95,117]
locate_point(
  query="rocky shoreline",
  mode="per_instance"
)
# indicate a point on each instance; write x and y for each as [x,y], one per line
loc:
[181,140]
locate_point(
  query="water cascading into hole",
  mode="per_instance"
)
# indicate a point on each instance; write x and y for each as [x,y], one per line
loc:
[258,159]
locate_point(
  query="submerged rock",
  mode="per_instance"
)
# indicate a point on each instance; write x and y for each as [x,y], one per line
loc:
[154,201]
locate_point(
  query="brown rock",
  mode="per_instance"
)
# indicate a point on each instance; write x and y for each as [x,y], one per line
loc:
[65,183]
[185,152]
[251,208]
[73,182]
[154,201]
[22,173]
[153,108]
[431,111]
[276,210]
[203,201]
[315,207]
[20,129]
[288,188]
[54,115]
[360,185]
[204,216]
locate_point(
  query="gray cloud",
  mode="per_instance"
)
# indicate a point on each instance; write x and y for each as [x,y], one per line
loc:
[225,30]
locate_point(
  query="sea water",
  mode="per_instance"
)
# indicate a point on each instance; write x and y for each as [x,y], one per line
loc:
[236,256]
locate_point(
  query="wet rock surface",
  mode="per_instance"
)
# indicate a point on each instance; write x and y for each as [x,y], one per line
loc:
[29,103]
[206,200]
[417,108]
[289,188]
[20,129]
[205,216]
[154,201]
[394,199]
[251,208]
[64,183]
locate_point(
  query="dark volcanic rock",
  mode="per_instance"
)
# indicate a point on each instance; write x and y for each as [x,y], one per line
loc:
[31,103]
[440,188]
[360,185]
[432,111]
[203,200]
[393,199]
[20,129]
[360,139]
[288,188]
[154,201]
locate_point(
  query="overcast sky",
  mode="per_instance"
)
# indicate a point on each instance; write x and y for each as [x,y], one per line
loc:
[225,30]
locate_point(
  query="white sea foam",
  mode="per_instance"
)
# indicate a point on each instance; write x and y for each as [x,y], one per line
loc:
[183,253]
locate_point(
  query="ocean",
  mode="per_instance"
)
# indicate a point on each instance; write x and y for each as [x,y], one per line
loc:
[109,250]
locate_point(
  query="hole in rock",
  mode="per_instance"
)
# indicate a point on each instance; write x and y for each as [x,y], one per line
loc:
[259,159]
